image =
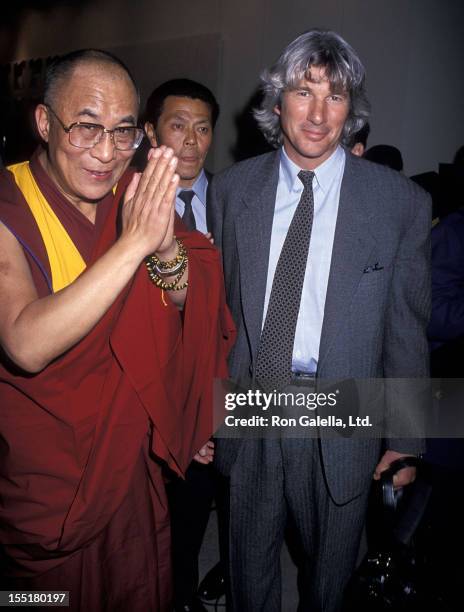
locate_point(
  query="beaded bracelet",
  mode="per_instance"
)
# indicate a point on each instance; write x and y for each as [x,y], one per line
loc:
[169,267]
[152,264]
[160,282]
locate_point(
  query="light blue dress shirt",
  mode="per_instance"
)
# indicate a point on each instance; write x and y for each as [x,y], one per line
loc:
[199,187]
[326,188]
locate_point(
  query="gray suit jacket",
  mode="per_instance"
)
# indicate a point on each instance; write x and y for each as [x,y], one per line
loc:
[374,324]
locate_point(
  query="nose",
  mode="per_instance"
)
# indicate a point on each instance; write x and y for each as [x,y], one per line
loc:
[191,137]
[317,111]
[104,150]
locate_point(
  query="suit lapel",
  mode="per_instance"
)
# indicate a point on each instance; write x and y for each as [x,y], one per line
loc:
[253,235]
[353,245]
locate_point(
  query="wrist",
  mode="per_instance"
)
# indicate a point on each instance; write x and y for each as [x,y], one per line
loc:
[168,253]
[130,250]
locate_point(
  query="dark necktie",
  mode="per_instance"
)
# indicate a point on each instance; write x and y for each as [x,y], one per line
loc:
[188,217]
[274,360]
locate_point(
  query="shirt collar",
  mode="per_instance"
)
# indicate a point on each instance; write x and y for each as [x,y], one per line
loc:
[199,187]
[325,173]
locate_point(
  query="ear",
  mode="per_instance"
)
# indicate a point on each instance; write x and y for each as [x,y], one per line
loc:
[42,120]
[276,109]
[358,149]
[151,134]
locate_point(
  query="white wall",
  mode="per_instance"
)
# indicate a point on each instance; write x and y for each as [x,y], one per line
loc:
[412,49]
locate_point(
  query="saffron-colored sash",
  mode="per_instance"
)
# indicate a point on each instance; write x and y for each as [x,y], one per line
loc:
[66,262]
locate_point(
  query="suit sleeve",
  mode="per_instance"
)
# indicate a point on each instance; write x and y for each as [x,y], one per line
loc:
[406,354]
[447,320]
[216,211]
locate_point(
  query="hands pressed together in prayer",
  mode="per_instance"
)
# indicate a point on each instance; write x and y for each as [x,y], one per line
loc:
[148,219]
[148,212]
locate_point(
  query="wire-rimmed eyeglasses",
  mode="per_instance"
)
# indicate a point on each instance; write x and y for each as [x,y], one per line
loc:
[86,135]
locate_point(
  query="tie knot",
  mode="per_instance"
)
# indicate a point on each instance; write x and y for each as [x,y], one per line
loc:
[186,196]
[306,177]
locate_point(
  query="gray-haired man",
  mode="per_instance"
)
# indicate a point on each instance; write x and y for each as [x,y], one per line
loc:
[299,229]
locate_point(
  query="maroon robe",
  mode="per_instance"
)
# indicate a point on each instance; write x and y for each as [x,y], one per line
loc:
[82,502]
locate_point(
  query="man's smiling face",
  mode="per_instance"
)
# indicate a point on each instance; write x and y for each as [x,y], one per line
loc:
[312,117]
[94,93]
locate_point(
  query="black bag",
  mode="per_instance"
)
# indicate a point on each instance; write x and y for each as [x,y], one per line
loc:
[393,577]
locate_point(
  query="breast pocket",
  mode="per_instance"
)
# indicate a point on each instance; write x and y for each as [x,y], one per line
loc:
[372,294]
[375,279]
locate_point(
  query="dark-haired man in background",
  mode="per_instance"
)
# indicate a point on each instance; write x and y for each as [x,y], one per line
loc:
[357,142]
[326,264]
[99,372]
[182,114]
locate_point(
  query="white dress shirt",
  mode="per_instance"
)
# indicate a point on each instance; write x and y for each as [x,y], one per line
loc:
[326,188]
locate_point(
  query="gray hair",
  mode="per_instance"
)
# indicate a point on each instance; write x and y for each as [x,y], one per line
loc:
[343,69]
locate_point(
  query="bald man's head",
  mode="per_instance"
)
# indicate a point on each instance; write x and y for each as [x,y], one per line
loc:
[88,124]
[62,69]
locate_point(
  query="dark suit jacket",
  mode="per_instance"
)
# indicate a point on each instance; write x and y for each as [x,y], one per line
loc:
[447,320]
[374,323]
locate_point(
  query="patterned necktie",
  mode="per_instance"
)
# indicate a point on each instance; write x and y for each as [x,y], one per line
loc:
[188,217]
[274,360]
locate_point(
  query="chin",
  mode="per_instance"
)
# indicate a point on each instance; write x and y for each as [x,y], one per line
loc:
[188,174]
[186,181]
[95,195]
[321,153]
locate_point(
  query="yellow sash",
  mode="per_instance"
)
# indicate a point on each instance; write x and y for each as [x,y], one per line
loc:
[66,262]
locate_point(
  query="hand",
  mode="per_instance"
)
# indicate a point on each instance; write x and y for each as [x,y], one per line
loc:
[209,236]
[401,478]
[148,210]
[206,453]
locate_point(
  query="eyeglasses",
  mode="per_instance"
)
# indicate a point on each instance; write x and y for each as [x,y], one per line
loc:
[86,135]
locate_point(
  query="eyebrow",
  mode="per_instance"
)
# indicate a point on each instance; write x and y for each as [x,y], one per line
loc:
[337,92]
[87,112]
[185,117]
